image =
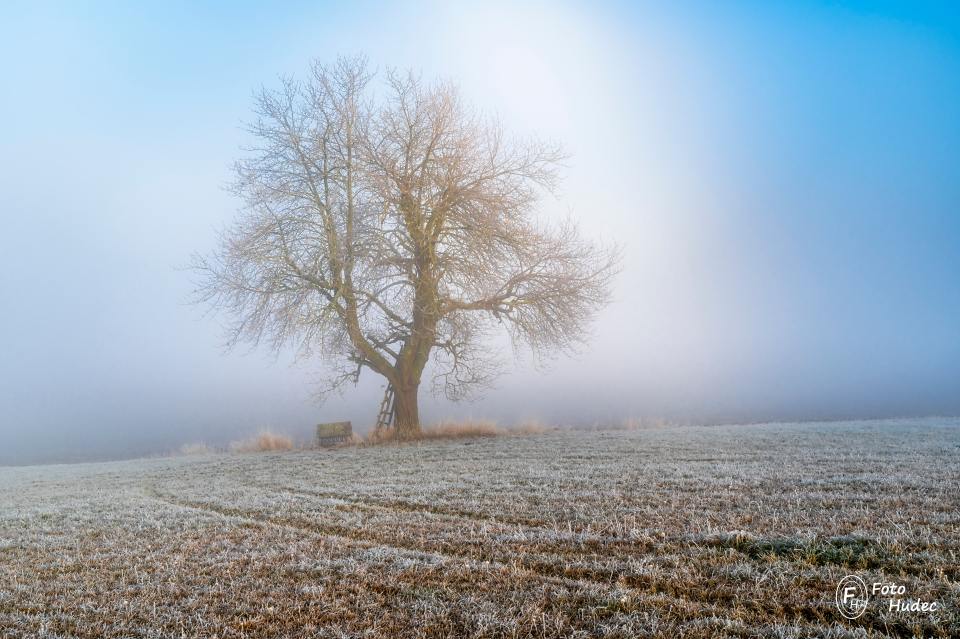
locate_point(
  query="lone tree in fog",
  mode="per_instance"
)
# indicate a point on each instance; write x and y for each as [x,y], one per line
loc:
[384,228]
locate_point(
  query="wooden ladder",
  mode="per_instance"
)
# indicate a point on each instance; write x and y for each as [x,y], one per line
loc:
[385,416]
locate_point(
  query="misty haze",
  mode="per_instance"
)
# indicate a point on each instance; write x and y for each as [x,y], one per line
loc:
[564,319]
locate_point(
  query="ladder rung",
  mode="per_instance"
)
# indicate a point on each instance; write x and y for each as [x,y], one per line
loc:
[385,414]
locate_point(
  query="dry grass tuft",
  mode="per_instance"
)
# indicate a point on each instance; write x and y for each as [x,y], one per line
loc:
[456,430]
[460,430]
[441,430]
[264,441]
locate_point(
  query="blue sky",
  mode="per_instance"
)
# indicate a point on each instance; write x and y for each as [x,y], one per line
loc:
[784,178]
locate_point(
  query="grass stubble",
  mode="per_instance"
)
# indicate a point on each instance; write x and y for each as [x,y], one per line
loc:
[733,531]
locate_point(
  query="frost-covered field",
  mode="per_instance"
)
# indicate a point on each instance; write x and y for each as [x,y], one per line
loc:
[721,531]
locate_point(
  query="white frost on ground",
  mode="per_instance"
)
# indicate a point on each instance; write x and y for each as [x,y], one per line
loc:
[714,531]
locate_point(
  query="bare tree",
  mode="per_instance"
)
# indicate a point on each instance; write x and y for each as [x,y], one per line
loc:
[385,227]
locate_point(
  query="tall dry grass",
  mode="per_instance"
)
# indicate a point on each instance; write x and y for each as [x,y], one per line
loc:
[441,430]
[458,430]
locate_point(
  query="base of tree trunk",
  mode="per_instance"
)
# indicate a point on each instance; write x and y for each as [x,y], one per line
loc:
[406,413]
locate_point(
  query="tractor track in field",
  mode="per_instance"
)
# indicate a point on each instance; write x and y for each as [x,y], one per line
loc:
[357,537]
[544,571]
[694,599]
[406,506]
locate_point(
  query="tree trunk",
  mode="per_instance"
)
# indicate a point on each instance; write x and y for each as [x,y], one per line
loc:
[406,412]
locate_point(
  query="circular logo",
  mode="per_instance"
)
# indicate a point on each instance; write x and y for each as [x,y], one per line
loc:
[852,596]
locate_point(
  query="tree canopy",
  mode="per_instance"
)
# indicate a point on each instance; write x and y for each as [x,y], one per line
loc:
[386,224]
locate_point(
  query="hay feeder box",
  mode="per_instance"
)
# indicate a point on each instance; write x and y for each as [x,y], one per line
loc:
[333,433]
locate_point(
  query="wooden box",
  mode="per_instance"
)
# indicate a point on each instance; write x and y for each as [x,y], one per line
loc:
[333,433]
